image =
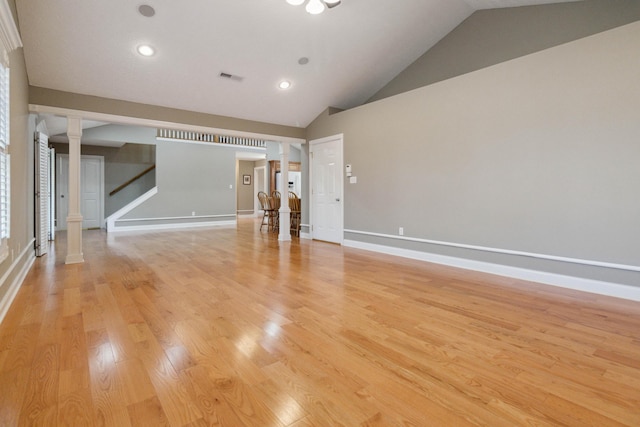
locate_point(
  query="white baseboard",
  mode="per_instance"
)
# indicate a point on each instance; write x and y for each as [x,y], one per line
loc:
[174,226]
[570,282]
[14,286]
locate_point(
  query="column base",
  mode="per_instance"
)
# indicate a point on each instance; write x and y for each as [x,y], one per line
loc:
[74,259]
[74,240]
[285,224]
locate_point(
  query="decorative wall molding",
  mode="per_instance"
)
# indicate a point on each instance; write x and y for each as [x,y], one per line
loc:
[559,280]
[174,218]
[9,34]
[176,226]
[26,258]
[502,251]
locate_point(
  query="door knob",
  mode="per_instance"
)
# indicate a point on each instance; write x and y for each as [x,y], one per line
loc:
[337,199]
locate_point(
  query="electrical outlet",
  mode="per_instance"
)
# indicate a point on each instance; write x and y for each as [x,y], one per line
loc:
[401,231]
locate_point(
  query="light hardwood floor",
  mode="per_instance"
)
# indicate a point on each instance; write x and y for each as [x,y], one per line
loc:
[230,327]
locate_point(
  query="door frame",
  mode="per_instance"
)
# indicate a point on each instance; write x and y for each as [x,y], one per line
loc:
[257,172]
[340,139]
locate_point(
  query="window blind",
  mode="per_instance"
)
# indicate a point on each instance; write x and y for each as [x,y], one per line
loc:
[5,164]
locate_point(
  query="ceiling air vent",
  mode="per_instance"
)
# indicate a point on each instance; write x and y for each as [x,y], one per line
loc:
[231,77]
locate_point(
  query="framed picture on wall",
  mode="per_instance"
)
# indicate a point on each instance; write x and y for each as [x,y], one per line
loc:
[246,179]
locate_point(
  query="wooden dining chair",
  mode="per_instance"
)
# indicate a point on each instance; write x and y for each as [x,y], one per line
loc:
[269,213]
[294,206]
[275,204]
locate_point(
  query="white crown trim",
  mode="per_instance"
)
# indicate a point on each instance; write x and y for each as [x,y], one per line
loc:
[9,34]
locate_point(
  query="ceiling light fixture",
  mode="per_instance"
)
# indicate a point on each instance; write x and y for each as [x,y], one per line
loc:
[146,50]
[284,84]
[316,7]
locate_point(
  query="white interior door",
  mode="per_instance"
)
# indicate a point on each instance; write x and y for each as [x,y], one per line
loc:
[91,191]
[42,193]
[326,189]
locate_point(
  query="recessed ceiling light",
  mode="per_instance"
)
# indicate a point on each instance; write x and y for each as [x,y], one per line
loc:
[146,50]
[284,84]
[315,7]
[303,61]
[146,10]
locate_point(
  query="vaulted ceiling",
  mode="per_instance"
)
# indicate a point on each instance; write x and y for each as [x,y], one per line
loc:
[352,50]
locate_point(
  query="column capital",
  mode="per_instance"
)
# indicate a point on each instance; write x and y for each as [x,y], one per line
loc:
[284,148]
[74,127]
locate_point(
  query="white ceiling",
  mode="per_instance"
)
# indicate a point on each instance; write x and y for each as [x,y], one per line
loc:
[89,47]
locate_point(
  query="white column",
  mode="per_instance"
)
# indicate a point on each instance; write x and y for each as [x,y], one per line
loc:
[74,219]
[285,212]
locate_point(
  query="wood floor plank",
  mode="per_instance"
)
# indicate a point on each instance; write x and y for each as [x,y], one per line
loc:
[76,409]
[105,385]
[170,390]
[137,386]
[208,398]
[72,380]
[20,349]
[13,385]
[230,327]
[149,412]
[41,397]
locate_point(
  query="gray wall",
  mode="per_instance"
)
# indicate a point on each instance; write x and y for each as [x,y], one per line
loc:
[22,127]
[273,152]
[245,192]
[121,133]
[538,154]
[120,165]
[492,36]
[191,178]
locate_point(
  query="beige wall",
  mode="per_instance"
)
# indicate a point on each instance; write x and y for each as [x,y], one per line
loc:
[538,154]
[22,204]
[491,36]
[73,101]
[245,192]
